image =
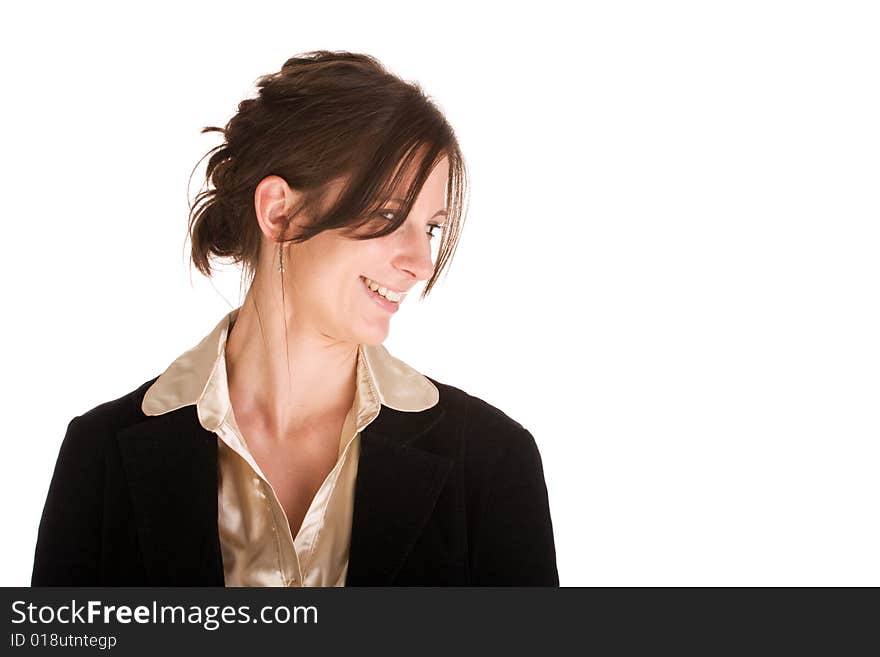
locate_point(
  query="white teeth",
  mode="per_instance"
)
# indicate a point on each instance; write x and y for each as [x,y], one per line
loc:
[384,291]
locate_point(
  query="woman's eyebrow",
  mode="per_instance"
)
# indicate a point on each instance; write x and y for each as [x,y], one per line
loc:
[439,213]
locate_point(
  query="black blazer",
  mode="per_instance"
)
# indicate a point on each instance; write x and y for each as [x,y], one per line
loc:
[453,495]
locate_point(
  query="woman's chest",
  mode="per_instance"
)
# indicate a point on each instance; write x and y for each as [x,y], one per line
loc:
[297,468]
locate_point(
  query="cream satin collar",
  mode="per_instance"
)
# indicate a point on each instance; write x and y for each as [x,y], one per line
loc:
[388,380]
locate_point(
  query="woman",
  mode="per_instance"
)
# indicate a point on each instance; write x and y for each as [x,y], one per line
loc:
[289,448]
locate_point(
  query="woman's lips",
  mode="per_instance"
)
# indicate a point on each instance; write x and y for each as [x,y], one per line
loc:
[379,300]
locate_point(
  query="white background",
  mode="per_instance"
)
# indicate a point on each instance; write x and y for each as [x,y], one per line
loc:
[669,270]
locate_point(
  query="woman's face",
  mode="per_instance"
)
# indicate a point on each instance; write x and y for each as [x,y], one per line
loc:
[325,277]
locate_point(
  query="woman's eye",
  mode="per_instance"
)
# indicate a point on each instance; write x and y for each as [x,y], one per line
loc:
[391,216]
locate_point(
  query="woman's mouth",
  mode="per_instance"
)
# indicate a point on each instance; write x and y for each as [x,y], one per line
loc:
[382,296]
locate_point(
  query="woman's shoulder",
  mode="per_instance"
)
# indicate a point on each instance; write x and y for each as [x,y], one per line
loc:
[89,441]
[106,418]
[474,410]
[486,429]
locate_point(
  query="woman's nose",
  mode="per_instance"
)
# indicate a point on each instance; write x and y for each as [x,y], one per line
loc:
[414,256]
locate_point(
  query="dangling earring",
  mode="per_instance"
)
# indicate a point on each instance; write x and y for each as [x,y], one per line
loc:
[280,258]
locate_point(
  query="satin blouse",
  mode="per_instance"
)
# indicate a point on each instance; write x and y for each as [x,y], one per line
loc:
[256,542]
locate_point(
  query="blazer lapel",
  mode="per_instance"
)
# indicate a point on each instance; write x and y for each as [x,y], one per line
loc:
[396,490]
[170,462]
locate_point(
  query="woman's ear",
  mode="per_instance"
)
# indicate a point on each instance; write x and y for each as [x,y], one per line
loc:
[274,200]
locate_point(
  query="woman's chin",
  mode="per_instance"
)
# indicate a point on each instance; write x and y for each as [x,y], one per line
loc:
[374,332]
[373,338]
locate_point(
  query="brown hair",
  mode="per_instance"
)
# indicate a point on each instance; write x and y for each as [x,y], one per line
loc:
[326,116]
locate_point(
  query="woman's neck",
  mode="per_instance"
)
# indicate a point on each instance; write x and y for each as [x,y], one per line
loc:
[286,388]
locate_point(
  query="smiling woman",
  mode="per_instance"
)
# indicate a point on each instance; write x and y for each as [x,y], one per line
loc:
[289,447]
